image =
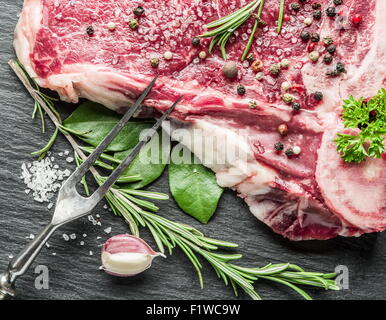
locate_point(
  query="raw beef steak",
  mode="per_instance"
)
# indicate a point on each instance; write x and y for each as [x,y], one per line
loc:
[87,49]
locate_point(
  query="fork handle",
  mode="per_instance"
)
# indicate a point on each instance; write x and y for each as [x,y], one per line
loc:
[20,264]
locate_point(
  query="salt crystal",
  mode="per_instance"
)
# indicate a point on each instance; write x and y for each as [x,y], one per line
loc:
[90,253]
[108,230]
[10,256]
[81,243]
[65,237]
[54,253]
[50,205]
[72,236]
[31,236]
[69,159]
[48,245]
[40,178]
[66,152]
[98,238]
[84,235]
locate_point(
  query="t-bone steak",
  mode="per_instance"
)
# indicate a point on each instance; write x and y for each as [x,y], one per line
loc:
[83,48]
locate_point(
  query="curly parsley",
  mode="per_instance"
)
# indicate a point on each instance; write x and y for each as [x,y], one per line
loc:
[370,118]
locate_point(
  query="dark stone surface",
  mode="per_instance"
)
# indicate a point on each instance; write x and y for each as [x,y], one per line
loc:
[74,273]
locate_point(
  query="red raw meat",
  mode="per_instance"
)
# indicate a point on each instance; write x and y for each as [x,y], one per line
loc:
[313,195]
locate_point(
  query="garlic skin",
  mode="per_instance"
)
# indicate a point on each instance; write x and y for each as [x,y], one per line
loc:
[125,255]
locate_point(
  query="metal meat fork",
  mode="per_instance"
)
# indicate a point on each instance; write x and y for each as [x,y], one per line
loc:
[70,205]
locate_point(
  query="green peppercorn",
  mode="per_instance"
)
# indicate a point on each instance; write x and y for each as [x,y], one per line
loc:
[318,96]
[340,67]
[90,30]
[315,37]
[274,69]
[252,104]
[331,12]
[240,90]
[317,14]
[327,58]
[316,6]
[196,42]
[305,35]
[133,24]
[295,6]
[138,11]
[154,62]
[279,146]
[338,2]
[288,98]
[296,106]
[328,40]
[289,152]
[331,48]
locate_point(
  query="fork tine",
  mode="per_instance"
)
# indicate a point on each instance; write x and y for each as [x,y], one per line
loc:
[101,191]
[83,168]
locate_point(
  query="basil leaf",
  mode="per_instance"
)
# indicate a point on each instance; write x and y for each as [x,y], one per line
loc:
[193,186]
[97,121]
[149,163]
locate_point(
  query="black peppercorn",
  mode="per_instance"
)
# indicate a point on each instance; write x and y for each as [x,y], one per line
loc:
[331,48]
[296,106]
[327,58]
[240,90]
[196,42]
[340,67]
[315,37]
[303,1]
[295,6]
[332,73]
[318,96]
[289,152]
[338,2]
[305,35]
[331,12]
[317,14]
[251,57]
[316,6]
[279,146]
[138,11]
[90,30]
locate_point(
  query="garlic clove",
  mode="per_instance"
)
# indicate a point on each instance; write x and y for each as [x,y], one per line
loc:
[126,255]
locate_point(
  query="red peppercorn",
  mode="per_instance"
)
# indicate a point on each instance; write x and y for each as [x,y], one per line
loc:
[282,129]
[384,156]
[311,46]
[356,19]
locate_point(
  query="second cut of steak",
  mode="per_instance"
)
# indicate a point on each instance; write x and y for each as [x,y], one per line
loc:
[285,166]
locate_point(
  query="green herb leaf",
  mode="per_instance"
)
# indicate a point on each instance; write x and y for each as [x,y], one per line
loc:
[95,122]
[193,186]
[370,118]
[149,163]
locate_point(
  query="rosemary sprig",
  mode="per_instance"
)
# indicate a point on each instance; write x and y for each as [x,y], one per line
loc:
[169,234]
[226,26]
[223,28]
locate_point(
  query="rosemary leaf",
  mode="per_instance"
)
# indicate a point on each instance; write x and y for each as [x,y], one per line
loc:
[281,16]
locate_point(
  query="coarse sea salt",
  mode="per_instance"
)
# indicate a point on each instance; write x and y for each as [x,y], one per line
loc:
[42,179]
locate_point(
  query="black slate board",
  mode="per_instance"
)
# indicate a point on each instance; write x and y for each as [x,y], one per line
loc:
[74,273]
